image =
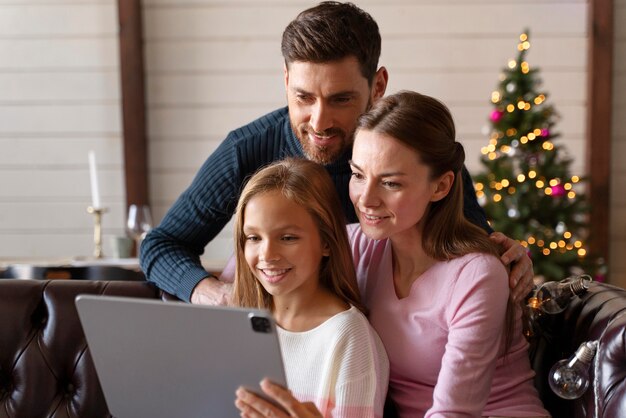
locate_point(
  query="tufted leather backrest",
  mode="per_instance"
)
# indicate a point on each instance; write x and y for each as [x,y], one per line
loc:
[599,314]
[46,369]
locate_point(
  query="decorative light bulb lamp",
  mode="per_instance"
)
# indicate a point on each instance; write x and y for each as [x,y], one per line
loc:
[569,378]
[553,297]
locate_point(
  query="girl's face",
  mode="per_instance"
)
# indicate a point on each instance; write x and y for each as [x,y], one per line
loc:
[283,247]
[390,187]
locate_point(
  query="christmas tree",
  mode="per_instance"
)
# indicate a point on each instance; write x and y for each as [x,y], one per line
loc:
[527,189]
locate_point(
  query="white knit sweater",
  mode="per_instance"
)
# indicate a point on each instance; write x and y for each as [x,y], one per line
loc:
[341,366]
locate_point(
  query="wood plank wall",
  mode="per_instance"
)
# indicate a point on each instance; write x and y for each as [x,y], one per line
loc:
[213,65]
[59,98]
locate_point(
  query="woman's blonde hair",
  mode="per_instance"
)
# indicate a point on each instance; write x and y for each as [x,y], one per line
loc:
[309,185]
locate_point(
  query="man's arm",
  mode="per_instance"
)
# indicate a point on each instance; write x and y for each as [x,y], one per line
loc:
[471,209]
[170,253]
[513,255]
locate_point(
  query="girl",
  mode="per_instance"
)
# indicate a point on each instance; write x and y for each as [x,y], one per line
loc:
[293,258]
[436,290]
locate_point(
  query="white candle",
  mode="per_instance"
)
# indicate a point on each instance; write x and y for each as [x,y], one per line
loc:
[93,176]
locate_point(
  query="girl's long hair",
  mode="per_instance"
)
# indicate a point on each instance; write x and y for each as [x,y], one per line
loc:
[309,185]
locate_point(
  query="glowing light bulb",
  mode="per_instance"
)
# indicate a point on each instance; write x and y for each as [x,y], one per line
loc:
[532,314]
[555,296]
[569,378]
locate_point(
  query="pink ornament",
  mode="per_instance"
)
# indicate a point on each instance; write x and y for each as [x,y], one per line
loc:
[599,278]
[545,132]
[496,115]
[558,190]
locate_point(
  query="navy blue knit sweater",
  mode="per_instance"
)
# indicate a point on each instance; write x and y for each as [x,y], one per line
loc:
[170,254]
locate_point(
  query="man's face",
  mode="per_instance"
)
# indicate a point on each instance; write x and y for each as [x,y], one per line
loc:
[325,101]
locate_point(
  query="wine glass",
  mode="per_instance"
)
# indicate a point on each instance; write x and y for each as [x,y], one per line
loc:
[139,223]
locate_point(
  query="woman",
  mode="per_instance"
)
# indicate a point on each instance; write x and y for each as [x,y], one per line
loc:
[433,283]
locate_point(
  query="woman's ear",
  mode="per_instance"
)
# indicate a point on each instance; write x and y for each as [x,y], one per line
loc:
[442,186]
[325,250]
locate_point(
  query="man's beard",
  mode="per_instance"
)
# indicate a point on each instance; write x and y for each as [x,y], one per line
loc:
[324,154]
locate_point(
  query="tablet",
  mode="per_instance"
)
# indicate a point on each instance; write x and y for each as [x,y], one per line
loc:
[171,359]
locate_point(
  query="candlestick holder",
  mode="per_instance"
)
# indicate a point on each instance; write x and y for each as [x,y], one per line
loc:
[97,230]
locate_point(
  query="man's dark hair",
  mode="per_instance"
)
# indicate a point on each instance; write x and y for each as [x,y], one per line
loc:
[332,31]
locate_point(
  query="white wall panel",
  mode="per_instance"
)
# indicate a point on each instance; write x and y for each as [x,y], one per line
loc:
[48,151]
[167,56]
[429,53]
[60,217]
[39,55]
[53,245]
[71,119]
[217,89]
[224,20]
[200,121]
[191,153]
[58,184]
[59,87]
[212,66]
[168,185]
[56,19]
[59,98]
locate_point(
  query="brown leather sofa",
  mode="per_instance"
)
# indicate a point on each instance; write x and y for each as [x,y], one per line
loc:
[599,314]
[46,369]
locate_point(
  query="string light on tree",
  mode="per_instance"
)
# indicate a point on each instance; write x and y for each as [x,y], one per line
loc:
[527,189]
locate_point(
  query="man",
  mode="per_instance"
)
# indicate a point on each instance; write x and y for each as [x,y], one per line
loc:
[331,74]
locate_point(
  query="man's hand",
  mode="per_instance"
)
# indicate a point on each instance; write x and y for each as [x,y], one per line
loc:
[252,406]
[210,291]
[515,256]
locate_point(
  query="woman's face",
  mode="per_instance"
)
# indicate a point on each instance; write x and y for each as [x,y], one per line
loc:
[283,247]
[390,187]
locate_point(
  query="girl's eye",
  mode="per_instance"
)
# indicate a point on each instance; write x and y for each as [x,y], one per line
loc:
[252,238]
[289,238]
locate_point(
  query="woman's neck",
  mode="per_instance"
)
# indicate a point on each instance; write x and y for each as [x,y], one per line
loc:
[409,260]
[306,312]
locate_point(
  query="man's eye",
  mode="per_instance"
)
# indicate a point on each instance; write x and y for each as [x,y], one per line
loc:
[357,176]
[342,100]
